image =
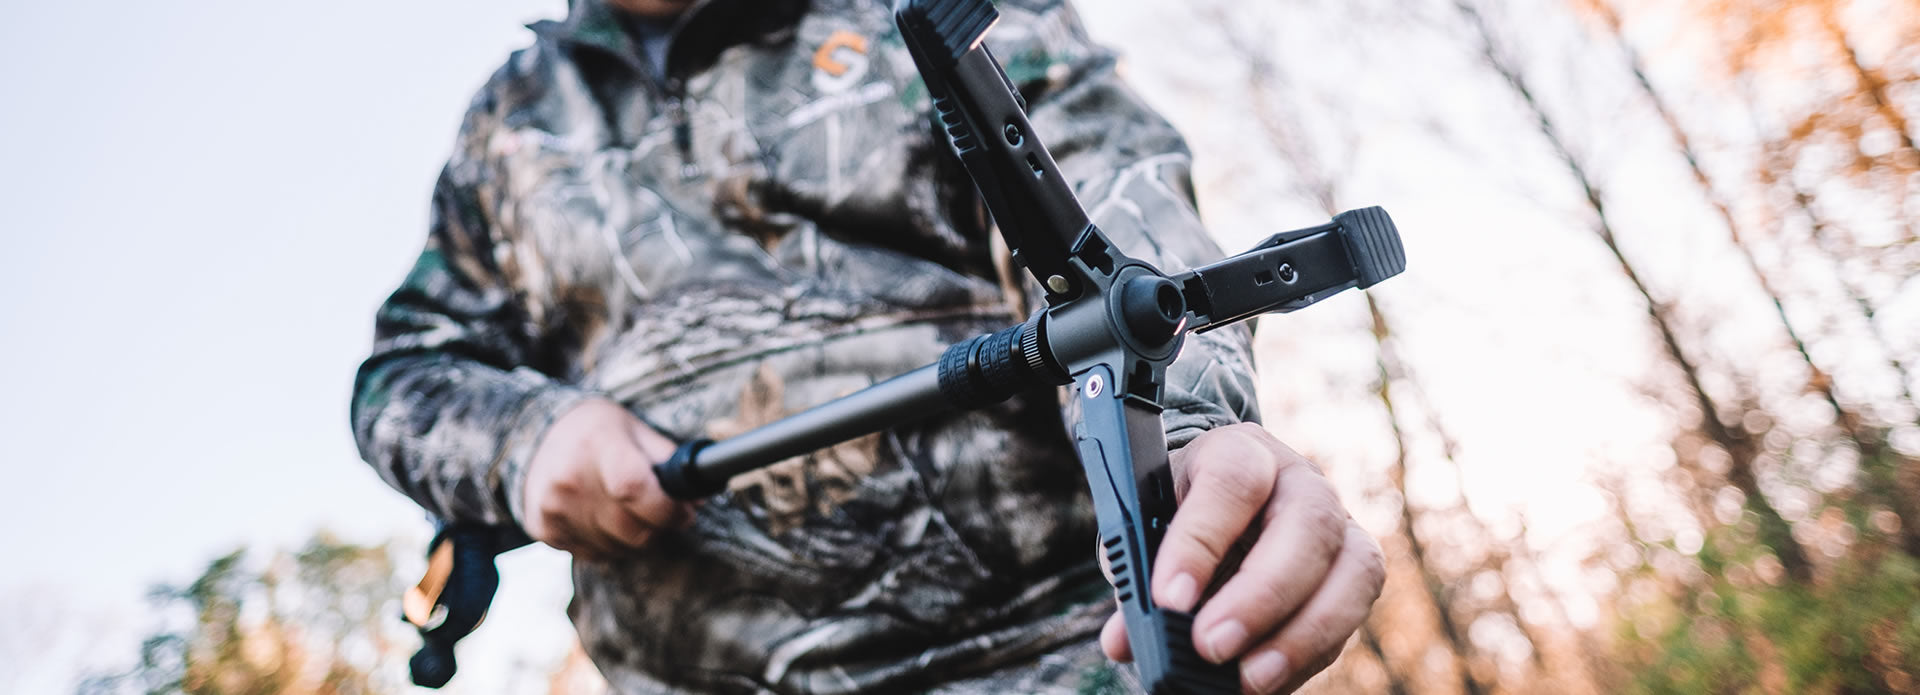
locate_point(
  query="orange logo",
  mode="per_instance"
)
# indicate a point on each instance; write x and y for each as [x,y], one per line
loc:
[828,60]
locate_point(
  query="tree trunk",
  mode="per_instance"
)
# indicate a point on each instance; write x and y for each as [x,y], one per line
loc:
[1396,685]
[1435,586]
[1818,382]
[1775,532]
[1872,83]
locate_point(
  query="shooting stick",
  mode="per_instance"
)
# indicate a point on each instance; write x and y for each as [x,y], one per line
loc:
[1111,327]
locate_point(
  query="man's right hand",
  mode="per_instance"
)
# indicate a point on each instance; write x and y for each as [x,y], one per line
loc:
[590,487]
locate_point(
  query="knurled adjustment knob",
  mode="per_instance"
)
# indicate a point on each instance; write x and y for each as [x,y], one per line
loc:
[1034,353]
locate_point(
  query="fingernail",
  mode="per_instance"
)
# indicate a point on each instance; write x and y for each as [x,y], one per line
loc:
[1181,593]
[1225,640]
[1265,670]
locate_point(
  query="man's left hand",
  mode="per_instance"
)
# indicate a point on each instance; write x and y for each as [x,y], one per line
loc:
[1304,587]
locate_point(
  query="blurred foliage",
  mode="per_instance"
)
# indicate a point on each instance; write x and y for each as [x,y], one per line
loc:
[1777,548]
[317,621]
[320,620]
[1739,627]
[1856,631]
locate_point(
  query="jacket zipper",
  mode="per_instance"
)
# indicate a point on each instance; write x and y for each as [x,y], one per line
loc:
[676,104]
[675,90]
[672,91]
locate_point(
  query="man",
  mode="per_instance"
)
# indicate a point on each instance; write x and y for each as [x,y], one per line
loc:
[678,218]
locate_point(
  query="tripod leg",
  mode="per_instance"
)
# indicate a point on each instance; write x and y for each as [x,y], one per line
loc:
[1123,446]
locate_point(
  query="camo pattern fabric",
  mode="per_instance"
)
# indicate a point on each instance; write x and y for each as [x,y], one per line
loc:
[765,223]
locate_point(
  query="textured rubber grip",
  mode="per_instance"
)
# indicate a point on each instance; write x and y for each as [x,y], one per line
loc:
[955,124]
[946,29]
[1187,672]
[1373,243]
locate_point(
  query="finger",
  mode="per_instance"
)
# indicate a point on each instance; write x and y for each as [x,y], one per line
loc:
[1113,639]
[1100,554]
[1113,636]
[1313,638]
[1305,528]
[656,446]
[579,543]
[631,483]
[622,528]
[550,522]
[1232,475]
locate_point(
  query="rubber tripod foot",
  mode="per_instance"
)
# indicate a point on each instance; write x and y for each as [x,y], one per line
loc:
[1188,673]
[433,665]
[1373,243]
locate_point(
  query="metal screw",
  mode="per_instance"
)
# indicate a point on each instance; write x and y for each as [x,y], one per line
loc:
[1057,284]
[1288,274]
[1013,135]
[1094,384]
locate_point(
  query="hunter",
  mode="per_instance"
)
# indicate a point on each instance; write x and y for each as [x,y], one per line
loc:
[669,219]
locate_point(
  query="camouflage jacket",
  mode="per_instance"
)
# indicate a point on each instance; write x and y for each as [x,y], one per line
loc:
[766,223]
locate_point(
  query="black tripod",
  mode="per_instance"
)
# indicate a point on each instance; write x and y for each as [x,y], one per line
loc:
[1111,327]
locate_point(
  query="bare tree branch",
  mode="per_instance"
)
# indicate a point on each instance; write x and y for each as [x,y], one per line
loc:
[1775,532]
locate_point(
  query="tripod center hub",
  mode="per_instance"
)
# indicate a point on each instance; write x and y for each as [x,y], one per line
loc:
[1152,307]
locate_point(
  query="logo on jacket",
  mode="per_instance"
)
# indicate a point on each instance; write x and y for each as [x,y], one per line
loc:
[840,62]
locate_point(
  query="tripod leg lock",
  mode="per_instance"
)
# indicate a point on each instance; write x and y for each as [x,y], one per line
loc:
[990,368]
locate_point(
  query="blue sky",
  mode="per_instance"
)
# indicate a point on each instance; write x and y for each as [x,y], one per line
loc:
[203,204]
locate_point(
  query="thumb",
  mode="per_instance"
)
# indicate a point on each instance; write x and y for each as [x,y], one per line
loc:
[1113,636]
[1113,639]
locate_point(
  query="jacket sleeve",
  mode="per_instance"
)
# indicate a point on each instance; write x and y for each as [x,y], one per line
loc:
[452,401]
[1131,170]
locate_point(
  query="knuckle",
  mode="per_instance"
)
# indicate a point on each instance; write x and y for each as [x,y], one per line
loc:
[630,489]
[1276,593]
[1373,566]
[1206,547]
[1326,528]
[1248,431]
[1315,635]
[551,514]
[564,486]
[1239,481]
[1256,440]
[1239,443]
[622,527]
[1250,478]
